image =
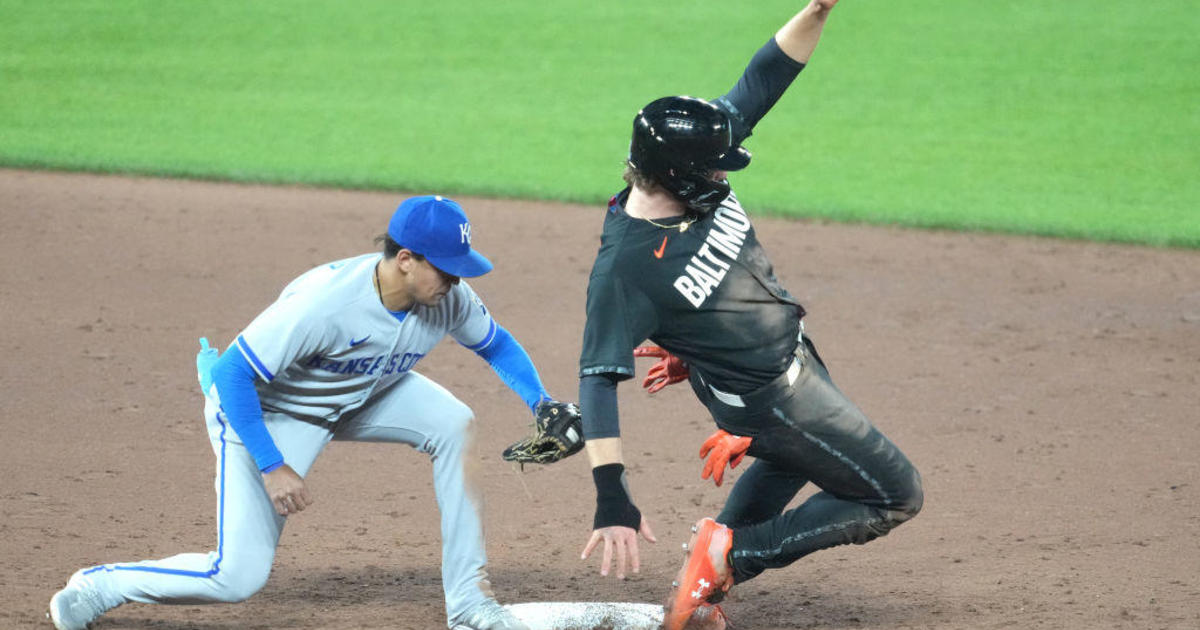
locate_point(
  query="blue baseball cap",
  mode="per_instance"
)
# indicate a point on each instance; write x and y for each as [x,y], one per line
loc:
[438,229]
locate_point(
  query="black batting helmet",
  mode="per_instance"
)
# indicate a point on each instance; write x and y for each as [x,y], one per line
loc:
[679,141]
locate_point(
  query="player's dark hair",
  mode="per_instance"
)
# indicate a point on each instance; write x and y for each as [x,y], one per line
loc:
[391,247]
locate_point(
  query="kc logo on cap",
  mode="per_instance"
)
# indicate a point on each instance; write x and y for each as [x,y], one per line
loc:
[437,228]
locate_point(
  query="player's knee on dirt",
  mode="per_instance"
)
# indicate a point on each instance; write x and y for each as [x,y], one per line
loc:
[909,502]
[239,579]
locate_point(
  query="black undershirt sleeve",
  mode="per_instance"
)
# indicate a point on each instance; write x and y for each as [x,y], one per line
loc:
[764,81]
[598,404]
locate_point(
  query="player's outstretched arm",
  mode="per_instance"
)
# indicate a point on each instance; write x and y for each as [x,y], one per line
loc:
[618,522]
[798,38]
[512,364]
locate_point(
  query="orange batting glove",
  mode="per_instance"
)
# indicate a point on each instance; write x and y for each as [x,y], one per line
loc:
[722,448]
[671,369]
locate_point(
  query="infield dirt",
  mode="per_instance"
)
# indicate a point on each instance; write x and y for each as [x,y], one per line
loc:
[1047,391]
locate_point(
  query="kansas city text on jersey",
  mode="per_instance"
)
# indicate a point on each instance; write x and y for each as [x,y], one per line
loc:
[705,271]
[367,365]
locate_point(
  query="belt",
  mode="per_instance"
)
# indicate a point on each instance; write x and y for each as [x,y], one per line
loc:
[786,379]
[736,400]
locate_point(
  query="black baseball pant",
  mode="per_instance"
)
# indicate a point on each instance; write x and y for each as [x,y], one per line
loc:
[808,431]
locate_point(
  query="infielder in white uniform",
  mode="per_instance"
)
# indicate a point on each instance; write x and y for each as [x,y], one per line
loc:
[332,359]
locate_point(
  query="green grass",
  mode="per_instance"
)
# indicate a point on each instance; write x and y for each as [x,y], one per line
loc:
[1072,118]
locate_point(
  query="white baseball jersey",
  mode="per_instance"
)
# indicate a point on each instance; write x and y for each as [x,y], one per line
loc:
[328,344]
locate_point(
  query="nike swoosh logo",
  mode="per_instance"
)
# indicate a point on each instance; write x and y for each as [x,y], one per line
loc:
[355,342]
[658,253]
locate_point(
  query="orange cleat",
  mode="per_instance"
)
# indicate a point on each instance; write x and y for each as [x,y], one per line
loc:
[704,577]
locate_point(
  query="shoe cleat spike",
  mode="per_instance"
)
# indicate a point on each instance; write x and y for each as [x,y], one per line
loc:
[695,529]
[674,584]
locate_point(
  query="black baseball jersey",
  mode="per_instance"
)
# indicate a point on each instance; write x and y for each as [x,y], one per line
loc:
[707,294]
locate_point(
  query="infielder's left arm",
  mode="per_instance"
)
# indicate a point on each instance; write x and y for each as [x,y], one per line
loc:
[476,330]
[512,364]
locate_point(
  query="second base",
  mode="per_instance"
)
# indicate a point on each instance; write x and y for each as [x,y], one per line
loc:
[588,615]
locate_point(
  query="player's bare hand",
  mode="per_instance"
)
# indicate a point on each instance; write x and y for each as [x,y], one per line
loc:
[288,493]
[621,542]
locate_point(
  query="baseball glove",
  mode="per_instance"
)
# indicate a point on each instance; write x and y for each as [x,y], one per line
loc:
[557,434]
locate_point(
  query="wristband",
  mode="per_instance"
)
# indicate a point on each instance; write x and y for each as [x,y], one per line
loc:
[613,505]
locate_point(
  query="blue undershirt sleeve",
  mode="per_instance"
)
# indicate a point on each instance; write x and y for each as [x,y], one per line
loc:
[514,367]
[234,378]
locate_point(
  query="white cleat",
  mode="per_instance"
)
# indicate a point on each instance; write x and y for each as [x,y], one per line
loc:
[489,615]
[77,605]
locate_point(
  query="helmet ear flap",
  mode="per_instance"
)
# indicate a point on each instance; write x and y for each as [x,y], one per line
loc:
[698,191]
[712,196]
